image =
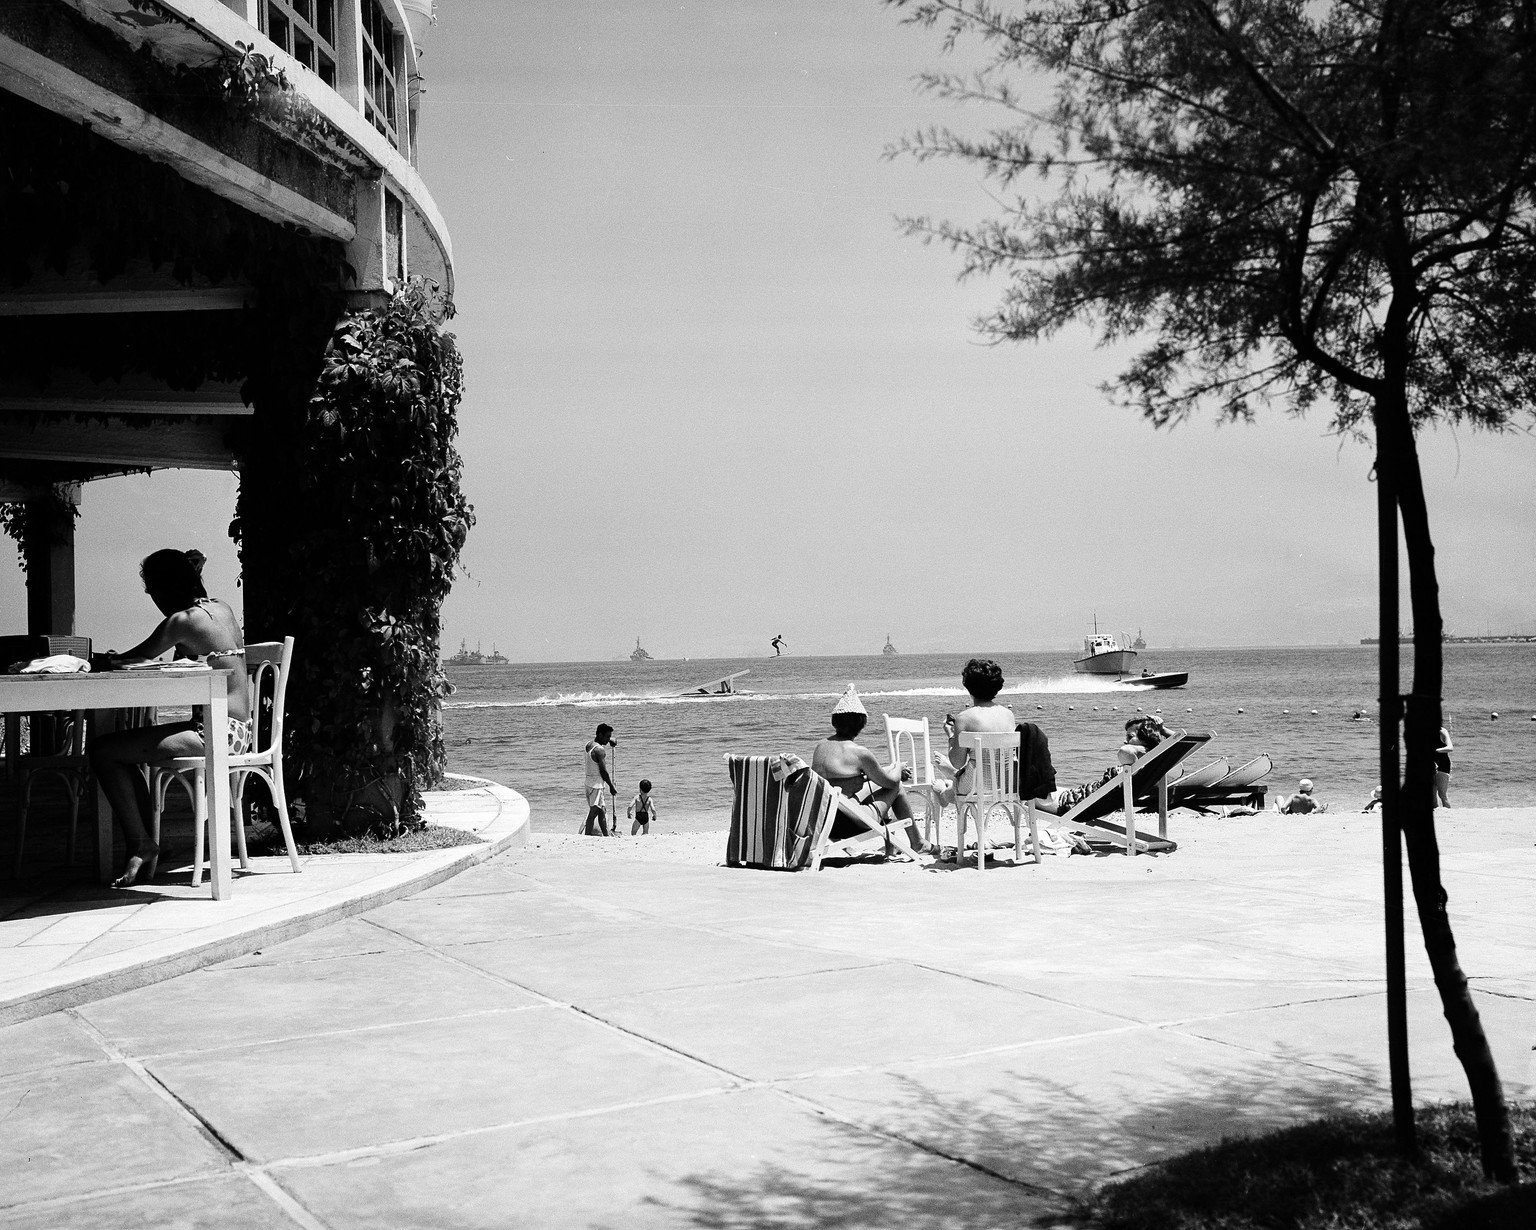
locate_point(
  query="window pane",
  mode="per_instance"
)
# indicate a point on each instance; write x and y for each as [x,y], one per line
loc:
[278,27]
[325,20]
[302,9]
[327,70]
[303,49]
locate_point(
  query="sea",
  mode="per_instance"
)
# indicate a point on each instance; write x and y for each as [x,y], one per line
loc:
[525,724]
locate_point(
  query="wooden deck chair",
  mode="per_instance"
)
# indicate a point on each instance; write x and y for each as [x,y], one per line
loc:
[1147,779]
[994,785]
[910,745]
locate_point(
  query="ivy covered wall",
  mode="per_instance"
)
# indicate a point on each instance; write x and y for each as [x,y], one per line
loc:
[351,519]
[350,516]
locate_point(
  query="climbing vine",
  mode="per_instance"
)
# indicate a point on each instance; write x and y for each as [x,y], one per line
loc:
[20,521]
[362,514]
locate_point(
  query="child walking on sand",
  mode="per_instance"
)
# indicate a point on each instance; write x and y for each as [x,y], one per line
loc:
[642,809]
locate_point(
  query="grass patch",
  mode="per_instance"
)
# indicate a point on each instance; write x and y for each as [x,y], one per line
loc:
[450,785]
[267,839]
[1338,1173]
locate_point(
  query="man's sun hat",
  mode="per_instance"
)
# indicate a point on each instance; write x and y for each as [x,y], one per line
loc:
[1306,785]
[849,702]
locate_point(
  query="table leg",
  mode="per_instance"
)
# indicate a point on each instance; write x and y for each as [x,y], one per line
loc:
[216,784]
[102,721]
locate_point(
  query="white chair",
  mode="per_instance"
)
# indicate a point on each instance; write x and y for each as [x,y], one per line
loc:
[903,736]
[266,667]
[68,763]
[994,768]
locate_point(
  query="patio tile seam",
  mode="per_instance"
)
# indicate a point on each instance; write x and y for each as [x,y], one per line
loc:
[412,1144]
[279,1040]
[736,982]
[282,1197]
[924,1062]
[180,1106]
[887,1134]
[122,1189]
[1368,1081]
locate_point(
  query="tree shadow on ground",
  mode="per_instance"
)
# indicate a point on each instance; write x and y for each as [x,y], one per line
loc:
[910,1149]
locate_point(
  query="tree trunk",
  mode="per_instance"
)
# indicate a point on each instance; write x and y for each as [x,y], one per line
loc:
[1397,449]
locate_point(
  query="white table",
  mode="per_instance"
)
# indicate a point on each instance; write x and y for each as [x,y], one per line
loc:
[140,689]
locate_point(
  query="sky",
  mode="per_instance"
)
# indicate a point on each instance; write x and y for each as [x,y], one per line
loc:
[714,395]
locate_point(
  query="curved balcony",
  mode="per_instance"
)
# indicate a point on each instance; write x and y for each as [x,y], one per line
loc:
[346,173]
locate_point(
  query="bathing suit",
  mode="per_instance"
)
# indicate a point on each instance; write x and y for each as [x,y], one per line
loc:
[240,735]
[594,783]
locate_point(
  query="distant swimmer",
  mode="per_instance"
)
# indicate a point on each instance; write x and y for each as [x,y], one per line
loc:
[779,645]
[1359,716]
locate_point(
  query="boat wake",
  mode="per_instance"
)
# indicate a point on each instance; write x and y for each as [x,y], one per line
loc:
[1064,685]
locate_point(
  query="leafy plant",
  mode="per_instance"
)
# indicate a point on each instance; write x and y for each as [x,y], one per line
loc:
[363,528]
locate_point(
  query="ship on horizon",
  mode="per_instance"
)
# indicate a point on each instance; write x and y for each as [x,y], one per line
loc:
[640,655]
[889,648]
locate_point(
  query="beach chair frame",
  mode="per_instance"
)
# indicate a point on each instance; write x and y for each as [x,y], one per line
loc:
[1146,779]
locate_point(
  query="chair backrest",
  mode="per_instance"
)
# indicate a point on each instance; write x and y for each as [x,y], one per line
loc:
[903,736]
[266,666]
[995,762]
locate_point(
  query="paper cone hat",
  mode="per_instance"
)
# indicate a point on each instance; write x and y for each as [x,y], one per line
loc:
[849,702]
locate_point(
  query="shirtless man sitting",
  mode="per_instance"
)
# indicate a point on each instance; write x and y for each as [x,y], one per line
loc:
[874,788]
[983,679]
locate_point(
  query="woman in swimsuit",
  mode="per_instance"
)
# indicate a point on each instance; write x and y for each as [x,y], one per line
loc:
[197,627]
[874,788]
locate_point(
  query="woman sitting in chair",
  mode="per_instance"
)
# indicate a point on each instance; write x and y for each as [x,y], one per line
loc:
[874,789]
[982,678]
[197,627]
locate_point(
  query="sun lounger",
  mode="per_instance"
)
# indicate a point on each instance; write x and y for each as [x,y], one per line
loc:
[1145,780]
[786,817]
[1239,788]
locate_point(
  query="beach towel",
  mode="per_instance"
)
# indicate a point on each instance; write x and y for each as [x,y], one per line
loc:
[777,808]
[1037,775]
[57,664]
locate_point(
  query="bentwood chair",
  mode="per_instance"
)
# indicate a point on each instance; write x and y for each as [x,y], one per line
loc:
[904,737]
[64,760]
[994,786]
[267,665]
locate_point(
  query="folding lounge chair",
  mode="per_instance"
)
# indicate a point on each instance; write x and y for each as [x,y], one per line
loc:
[1145,780]
[786,817]
[1239,788]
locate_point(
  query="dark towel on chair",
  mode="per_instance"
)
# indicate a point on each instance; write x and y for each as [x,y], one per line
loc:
[1037,775]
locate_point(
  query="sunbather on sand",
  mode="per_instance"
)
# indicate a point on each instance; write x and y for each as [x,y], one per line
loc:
[1142,734]
[874,788]
[983,679]
[1301,803]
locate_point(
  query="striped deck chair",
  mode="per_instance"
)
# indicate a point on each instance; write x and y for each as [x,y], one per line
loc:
[783,816]
[1145,780]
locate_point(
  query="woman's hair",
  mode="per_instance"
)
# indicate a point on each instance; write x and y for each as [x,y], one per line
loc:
[177,573]
[1148,730]
[849,724]
[982,678]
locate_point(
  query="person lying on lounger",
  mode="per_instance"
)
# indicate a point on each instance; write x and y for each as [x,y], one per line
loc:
[1142,734]
[873,787]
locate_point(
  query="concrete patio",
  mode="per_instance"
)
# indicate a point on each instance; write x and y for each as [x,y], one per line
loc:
[65,940]
[621,1033]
